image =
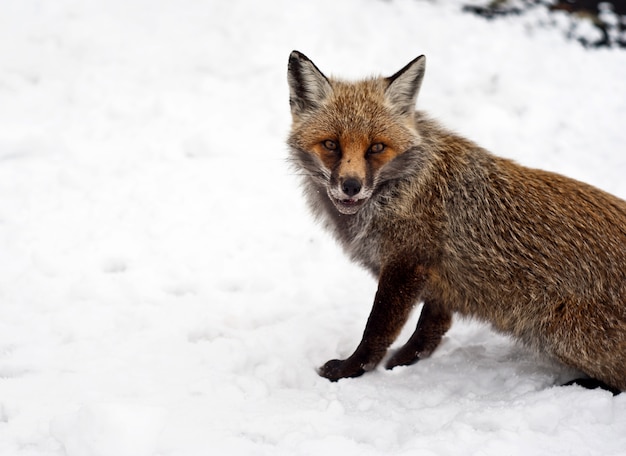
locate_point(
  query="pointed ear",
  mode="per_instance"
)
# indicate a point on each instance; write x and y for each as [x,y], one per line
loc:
[308,87]
[405,85]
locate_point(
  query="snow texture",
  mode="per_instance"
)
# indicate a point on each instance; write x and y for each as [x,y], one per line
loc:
[163,289]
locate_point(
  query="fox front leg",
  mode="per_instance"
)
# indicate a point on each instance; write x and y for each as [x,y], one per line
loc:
[433,323]
[399,288]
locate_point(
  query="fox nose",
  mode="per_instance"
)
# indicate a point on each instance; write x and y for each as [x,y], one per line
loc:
[351,186]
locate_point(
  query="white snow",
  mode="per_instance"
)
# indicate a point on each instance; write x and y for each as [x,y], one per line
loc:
[163,290]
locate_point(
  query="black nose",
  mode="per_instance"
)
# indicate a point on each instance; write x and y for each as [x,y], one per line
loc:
[351,187]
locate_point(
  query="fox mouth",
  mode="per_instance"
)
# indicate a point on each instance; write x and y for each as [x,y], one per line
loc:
[348,206]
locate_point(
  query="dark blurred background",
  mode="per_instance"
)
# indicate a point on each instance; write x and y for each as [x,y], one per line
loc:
[593,23]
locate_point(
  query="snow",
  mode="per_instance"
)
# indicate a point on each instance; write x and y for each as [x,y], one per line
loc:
[164,290]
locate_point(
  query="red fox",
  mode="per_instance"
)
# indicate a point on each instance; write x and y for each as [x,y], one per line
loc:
[440,221]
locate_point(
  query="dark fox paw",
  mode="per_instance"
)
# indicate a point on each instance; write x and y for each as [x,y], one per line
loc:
[335,369]
[592,383]
[402,358]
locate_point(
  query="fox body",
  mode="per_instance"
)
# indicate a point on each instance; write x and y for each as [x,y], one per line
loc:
[439,220]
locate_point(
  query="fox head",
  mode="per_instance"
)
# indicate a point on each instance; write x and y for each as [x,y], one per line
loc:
[353,137]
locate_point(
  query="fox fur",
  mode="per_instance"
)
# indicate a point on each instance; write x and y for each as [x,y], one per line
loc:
[439,220]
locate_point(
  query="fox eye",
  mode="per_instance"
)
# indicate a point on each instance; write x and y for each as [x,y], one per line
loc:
[329,144]
[376,148]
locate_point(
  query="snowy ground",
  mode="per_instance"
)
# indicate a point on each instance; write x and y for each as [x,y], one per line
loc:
[163,290]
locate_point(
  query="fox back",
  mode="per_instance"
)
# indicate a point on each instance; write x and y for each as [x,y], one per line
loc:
[439,220]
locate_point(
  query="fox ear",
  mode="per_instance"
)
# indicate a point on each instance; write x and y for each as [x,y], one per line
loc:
[405,85]
[308,87]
